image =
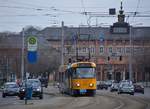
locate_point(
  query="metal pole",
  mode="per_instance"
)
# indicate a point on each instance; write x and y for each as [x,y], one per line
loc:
[130,56]
[22,66]
[22,57]
[62,44]
[78,35]
[77,47]
[7,69]
[89,47]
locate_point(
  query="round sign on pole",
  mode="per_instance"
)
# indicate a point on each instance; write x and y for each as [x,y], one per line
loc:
[32,43]
[32,40]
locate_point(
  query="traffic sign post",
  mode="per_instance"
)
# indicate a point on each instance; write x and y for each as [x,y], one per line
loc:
[32,43]
[32,49]
[32,56]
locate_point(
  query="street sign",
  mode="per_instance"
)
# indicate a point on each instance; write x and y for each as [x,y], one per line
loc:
[32,43]
[32,56]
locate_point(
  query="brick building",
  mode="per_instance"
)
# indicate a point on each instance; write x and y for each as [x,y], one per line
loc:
[10,56]
[109,51]
[111,54]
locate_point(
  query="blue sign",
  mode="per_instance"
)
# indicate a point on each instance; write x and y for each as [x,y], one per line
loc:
[32,56]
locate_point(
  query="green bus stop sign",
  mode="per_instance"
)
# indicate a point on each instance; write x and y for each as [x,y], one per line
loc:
[32,40]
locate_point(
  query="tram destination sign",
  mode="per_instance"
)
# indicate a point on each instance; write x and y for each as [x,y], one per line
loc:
[84,65]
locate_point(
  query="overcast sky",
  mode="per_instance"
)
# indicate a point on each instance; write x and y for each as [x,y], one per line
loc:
[16,14]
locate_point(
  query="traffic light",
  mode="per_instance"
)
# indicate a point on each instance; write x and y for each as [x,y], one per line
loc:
[108,58]
[69,60]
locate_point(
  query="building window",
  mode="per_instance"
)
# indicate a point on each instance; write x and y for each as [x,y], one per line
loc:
[127,50]
[119,50]
[84,49]
[92,50]
[110,50]
[101,49]
[79,50]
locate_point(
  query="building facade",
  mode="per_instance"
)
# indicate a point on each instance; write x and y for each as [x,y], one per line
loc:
[110,52]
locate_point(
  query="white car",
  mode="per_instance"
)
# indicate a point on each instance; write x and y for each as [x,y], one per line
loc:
[10,89]
[126,88]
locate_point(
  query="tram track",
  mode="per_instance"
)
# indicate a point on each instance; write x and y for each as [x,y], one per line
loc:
[129,102]
[84,102]
[144,101]
[99,101]
[121,103]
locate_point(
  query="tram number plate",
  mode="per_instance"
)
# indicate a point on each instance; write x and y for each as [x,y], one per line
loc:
[83,91]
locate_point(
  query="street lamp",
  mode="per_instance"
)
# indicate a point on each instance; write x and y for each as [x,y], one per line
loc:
[130,55]
[22,56]
[62,44]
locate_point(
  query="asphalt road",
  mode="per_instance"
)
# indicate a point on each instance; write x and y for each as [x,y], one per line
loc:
[14,101]
[102,100]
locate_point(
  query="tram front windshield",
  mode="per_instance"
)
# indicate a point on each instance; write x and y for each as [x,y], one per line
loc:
[84,73]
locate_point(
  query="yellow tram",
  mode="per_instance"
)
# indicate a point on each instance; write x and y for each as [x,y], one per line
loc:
[79,78]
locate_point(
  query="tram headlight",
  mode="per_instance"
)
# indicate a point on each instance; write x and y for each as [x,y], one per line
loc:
[78,84]
[91,84]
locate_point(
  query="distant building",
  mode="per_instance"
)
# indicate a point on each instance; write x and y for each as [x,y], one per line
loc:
[109,51]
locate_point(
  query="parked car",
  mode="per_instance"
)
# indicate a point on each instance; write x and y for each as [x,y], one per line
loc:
[35,84]
[109,82]
[125,82]
[102,85]
[44,82]
[114,87]
[10,89]
[126,88]
[139,88]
